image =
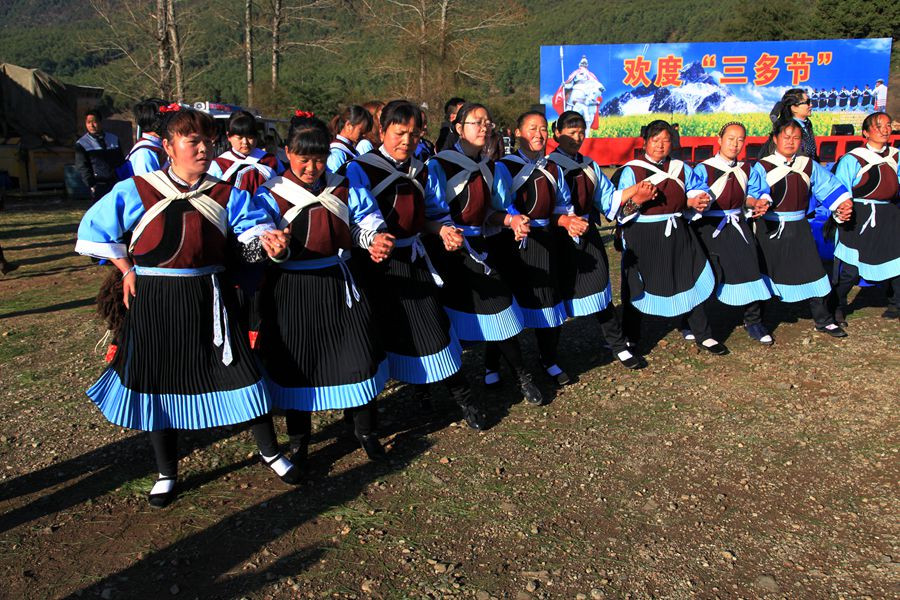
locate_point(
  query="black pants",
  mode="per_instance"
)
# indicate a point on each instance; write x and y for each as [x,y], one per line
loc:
[695,320]
[753,313]
[165,444]
[299,422]
[611,329]
[849,276]
[508,349]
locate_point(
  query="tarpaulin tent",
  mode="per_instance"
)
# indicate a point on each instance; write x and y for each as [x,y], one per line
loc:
[40,109]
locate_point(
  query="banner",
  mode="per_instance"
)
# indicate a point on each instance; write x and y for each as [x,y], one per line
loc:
[619,88]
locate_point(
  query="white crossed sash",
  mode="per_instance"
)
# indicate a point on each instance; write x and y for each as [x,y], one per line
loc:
[237,163]
[675,167]
[300,198]
[528,169]
[782,169]
[344,148]
[457,183]
[874,160]
[569,164]
[718,186]
[375,160]
[211,210]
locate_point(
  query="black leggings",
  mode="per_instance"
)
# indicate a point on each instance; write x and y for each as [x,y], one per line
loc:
[165,444]
[299,422]
[508,349]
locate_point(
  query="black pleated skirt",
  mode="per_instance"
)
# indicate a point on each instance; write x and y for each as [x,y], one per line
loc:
[583,272]
[411,320]
[529,269]
[792,267]
[480,305]
[734,257]
[875,251]
[666,275]
[318,352]
[168,371]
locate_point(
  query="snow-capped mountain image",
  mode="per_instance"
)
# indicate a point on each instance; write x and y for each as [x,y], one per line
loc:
[700,92]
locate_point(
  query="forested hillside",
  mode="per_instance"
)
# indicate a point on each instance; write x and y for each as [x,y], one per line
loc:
[335,51]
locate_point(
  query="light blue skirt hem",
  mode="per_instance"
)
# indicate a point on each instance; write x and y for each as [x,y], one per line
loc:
[329,397]
[797,292]
[543,318]
[152,412]
[589,305]
[680,303]
[486,328]
[427,369]
[742,294]
[881,272]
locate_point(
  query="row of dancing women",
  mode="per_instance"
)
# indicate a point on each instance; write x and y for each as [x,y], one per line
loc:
[350,272]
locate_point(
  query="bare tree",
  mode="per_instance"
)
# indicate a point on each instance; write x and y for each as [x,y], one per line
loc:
[248,48]
[451,40]
[129,24]
[301,24]
[162,48]
[175,49]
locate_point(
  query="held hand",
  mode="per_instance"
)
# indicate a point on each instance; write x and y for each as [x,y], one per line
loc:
[642,192]
[275,242]
[700,202]
[128,288]
[759,206]
[574,226]
[844,210]
[381,247]
[452,238]
[520,226]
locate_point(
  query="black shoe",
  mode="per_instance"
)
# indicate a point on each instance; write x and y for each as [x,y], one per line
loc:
[293,476]
[833,330]
[422,400]
[716,348]
[166,498]
[8,267]
[374,449]
[629,360]
[559,377]
[840,316]
[530,392]
[891,313]
[472,412]
[492,379]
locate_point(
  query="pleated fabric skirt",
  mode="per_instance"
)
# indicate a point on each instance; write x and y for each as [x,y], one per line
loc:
[414,328]
[792,268]
[875,251]
[480,305]
[168,371]
[317,351]
[734,257]
[666,275]
[583,272]
[529,269]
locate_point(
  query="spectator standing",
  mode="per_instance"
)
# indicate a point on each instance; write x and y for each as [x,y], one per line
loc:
[97,156]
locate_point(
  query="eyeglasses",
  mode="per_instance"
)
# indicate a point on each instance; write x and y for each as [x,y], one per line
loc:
[804,102]
[479,124]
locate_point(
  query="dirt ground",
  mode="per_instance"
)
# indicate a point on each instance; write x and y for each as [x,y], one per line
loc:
[771,472]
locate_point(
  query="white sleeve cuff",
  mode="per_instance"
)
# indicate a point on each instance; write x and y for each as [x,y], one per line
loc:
[695,193]
[254,232]
[841,199]
[101,249]
[616,205]
[372,221]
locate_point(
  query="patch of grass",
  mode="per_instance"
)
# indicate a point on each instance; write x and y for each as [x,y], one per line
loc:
[18,342]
